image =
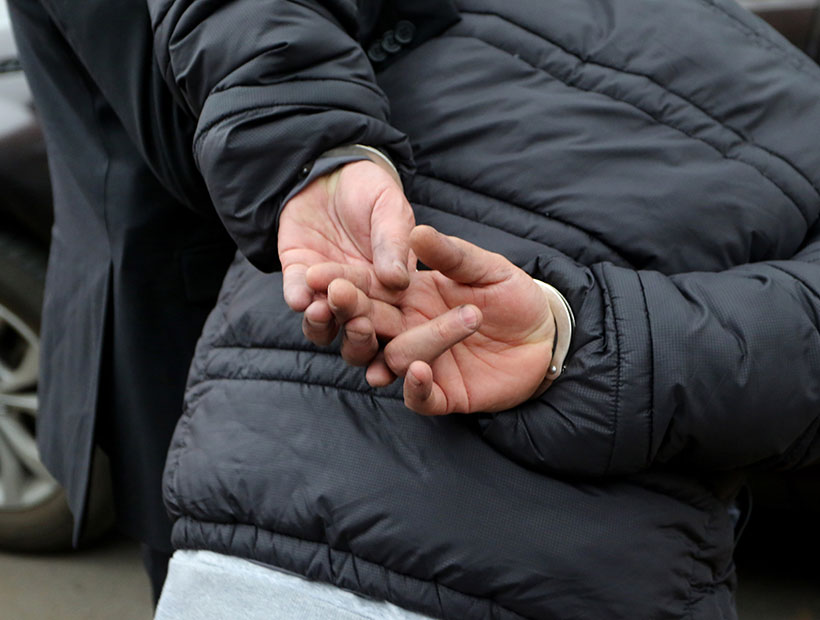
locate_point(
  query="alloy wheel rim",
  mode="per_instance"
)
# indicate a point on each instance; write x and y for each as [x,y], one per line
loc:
[24,481]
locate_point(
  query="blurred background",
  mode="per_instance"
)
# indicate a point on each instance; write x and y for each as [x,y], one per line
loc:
[41,578]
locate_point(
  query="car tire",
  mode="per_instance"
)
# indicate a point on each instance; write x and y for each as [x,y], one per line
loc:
[34,515]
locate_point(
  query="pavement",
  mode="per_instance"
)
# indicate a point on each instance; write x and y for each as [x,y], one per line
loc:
[106,582]
[767,595]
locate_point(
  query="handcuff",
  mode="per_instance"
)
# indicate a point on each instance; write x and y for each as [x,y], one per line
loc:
[364,152]
[564,325]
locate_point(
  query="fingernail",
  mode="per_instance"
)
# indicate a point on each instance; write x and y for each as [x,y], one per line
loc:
[469,316]
[413,379]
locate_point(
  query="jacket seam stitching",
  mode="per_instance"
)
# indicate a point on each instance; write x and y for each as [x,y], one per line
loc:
[618,378]
[695,587]
[326,544]
[657,119]
[179,448]
[813,313]
[302,382]
[244,114]
[768,44]
[808,288]
[651,424]
[257,111]
[666,88]
[549,216]
[271,347]
[226,87]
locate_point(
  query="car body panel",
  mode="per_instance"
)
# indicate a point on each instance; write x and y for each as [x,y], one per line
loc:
[25,200]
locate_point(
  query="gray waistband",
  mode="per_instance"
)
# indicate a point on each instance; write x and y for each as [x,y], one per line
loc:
[211,586]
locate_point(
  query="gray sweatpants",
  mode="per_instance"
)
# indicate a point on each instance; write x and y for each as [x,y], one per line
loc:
[203,585]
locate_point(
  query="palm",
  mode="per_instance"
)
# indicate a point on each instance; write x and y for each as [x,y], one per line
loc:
[502,363]
[357,216]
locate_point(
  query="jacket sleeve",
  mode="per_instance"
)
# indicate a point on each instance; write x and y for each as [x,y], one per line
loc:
[700,371]
[272,85]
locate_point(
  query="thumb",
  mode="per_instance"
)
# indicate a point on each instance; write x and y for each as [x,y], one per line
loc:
[391,222]
[457,259]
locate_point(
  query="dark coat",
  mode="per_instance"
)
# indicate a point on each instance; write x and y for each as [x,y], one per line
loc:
[138,251]
[132,272]
[657,162]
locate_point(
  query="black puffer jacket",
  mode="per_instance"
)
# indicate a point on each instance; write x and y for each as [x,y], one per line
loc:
[659,163]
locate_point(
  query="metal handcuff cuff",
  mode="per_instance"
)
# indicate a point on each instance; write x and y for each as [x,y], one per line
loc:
[564,325]
[361,152]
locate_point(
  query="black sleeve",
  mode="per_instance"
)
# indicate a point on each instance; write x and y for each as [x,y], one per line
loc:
[272,85]
[700,371]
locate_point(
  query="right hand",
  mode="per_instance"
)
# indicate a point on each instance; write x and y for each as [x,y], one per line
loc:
[475,335]
[357,215]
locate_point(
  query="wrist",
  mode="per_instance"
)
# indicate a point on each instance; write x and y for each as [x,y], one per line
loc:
[359,152]
[335,158]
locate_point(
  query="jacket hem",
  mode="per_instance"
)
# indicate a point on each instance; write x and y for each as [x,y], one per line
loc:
[317,561]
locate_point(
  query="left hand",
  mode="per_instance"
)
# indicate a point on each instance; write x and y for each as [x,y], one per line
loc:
[356,215]
[475,335]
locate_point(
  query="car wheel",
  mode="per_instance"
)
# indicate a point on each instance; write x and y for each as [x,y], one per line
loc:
[34,515]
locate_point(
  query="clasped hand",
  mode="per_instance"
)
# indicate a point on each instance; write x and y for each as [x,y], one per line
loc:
[474,333]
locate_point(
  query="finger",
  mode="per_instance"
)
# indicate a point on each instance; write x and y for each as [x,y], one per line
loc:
[378,373]
[318,324]
[391,221]
[458,259]
[359,343]
[420,393]
[427,341]
[318,277]
[348,302]
[298,295]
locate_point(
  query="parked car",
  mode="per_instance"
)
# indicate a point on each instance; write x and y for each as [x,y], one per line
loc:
[33,511]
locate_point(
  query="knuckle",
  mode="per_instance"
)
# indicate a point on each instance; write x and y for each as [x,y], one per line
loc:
[443,331]
[358,338]
[363,303]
